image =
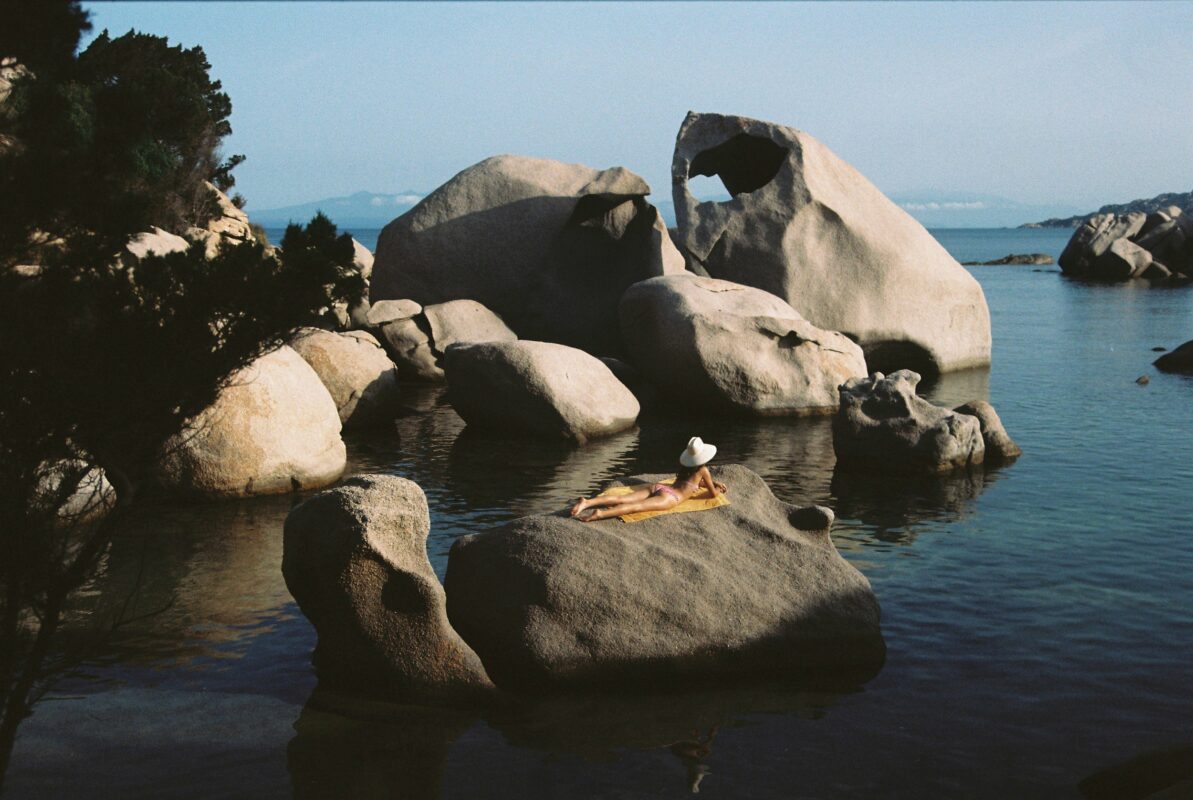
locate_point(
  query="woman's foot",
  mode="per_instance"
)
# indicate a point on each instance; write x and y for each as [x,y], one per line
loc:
[579,506]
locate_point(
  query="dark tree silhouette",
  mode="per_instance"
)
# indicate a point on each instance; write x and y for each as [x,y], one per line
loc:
[102,357]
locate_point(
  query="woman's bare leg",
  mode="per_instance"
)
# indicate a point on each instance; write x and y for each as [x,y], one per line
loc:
[655,503]
[610,500]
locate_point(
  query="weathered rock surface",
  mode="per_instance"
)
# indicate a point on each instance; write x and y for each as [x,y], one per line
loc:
[273,429]
[384,311]
[999,445]
[542,388]
[725,345]
[229,225]
[752,587]
[805,226]
[1179,359]
[548,246]
[355,559]
[361,379]
[884,425]
[418,341]
[1115,248]
[155,242]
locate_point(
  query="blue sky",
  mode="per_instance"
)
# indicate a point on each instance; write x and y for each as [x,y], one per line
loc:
[1050,103]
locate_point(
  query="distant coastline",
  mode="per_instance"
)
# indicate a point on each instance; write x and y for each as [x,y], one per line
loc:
[1183,200]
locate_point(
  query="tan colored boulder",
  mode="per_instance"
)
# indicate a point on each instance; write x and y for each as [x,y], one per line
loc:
[355,559]
[362,259]
[155,242]
[713,343]
[384,311]
[1094,238]
[752,588]
[361,379]
[418,341]
[883,425]
[547,246]
[1121,261]
[273,429]
[541,388]
[807,227]
[229,225]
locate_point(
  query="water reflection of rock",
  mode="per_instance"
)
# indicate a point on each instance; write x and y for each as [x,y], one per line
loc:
[893,503]
[954,388]
[187,580]
[533,477]
[345,747]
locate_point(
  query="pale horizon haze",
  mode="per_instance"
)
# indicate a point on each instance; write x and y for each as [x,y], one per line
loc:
[1044,103]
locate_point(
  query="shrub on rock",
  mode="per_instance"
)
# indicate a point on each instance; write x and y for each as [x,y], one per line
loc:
[355,559]
[541,388]
[809,228]
[755,587]
[718,344]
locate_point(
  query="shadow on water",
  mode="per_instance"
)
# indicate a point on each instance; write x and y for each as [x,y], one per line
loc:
[347,746]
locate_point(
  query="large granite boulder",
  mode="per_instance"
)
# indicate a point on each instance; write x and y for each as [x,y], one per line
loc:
[541,388]
[355,559]
[229,225]
[752,587]
[418,337]
[1178,360]
[884,425]
[548,246]
[273,429]
[361,379]
[804,225]
[720,344]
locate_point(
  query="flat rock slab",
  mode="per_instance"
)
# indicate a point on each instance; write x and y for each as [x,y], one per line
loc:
[755,587]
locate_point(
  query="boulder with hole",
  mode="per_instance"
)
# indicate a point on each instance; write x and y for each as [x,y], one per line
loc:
[807,227]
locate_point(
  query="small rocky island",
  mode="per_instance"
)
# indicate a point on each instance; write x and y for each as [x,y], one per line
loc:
[1017,259]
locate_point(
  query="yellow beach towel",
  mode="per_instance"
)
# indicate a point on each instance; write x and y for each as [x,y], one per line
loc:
[701,501]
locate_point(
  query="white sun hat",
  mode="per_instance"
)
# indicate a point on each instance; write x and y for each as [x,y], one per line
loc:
[697,453]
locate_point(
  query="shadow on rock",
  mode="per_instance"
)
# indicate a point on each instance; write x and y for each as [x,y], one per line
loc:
[350,747]
[1166,773]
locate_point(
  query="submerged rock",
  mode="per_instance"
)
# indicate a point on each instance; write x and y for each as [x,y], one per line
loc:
[1179,359]
[361,379]
[548,246]
[541,388]
[715,343]
[355,560]
[807,227]
[754,587]
[884,425]
[274,428]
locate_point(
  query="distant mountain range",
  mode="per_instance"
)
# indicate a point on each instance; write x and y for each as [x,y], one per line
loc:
[1183,200]
[359,210]
[931,209]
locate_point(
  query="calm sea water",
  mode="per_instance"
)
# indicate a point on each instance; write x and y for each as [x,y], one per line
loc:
[1037,618]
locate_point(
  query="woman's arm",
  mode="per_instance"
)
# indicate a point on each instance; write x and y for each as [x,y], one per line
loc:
[706,479]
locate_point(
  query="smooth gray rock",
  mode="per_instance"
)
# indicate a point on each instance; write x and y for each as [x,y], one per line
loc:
[720,344]
[361,379]
[807,227]
[1179,359]
[548,246]
[1121,261]
[884,425]
[1094,238]
[541,388]
[755,587]
[273,429]
[419,341]
[999,445]
[383,311]
[355,559]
